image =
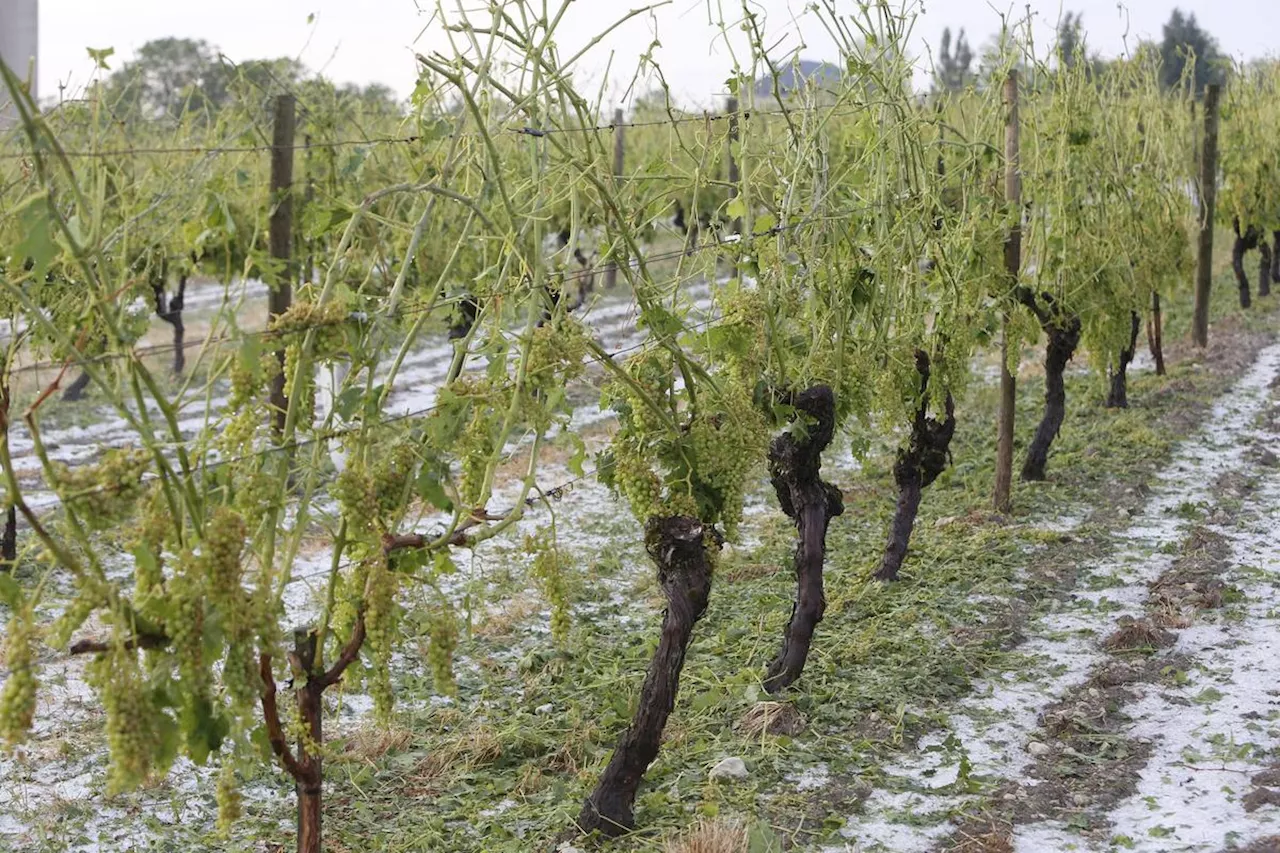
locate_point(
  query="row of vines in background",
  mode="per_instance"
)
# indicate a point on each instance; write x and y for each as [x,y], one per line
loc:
[854,238]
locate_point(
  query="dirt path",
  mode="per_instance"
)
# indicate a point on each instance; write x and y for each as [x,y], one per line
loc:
[1146,700]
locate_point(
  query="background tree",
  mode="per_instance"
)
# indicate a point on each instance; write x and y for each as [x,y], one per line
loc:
[177,77]
[170,76]
[1184,41]
[953,70]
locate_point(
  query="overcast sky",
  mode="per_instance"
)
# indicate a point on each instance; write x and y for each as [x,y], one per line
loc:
[374,40]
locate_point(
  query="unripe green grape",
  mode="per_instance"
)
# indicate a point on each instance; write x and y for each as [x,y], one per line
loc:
[185,626]
[255,492]
[18,697]
[103,493]
[549,573]
[357,498]
[442,635]
[70,620]
[131,723]
[223,540]
[230,800]
[240,677]
[636,481]
[475,448]
[391,475]
[306,394]
[381,587]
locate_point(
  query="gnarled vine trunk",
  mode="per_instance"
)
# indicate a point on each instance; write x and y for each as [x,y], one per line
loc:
[171,313]
[679,546]
[1155,334]
[303,761]
[1264,268]
[1275,255]
[1118,397]
[1246,240]
[795,468]
[917,466]
[1061,346]
[9,539]
[309,783]
[75,391]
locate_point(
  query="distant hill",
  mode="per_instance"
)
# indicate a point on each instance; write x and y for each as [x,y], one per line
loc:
[811,73]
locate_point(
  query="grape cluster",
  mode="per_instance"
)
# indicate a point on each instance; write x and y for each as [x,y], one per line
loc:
[230,801]
[728,441]
[238,432]
[255,491]
[744,313]
[240,677]
[357,498]
[185,625]
[306,394]
[549,574]
[371,497]
[132,719]
[635,479]
[18,698]
[557,356]
[348,596]
[391,475]
[442,635]
[224,536]
[104,493]
[380,617]
[73,617]
[652,371]
[328,320]
[475,448]
[155,527]
[246,384]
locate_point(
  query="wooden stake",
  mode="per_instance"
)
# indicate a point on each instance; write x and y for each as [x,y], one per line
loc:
[1208,192]
[1002,499]
[280,237]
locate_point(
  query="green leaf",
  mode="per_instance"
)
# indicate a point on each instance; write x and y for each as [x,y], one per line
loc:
[661,321]
[207,733]
[443,564]
[579,454]
[348,402]
[737,208]
[143,558]
[764,223]
[37,240]
[430,487]
[10,591]
[100,56]
[439,129]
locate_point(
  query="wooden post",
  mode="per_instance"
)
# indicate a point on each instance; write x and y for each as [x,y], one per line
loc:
[731,108]
[1003,501]
[308,197]
[619,162]
[1208,192]
[280,236]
